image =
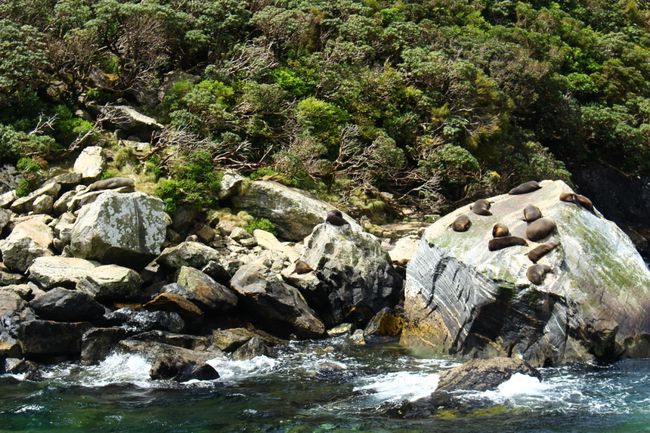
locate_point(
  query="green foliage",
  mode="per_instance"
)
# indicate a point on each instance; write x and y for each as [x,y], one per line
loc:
[338,95]
[261,224]
[31,173]
[14,144]
[68,126]
[193,181]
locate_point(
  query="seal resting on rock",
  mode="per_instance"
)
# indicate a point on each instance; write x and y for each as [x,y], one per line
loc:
[541,250]
[578,199]
[500,230]
[532,213]
[525,188]
[111,183]
[301,267]
[505,242]
[537,273]
[481,207]
[335,217]
[461,224]
[539,229]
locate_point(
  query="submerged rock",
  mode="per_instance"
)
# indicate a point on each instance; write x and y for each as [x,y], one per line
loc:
[98,343]
[124,229]
[483,374]
[461,298]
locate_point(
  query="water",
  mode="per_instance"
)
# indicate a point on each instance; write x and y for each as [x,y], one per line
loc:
[320,387]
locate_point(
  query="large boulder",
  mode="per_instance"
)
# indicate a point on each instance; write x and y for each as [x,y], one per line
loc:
[293,212]
[59,271]
[461,298]
[354,275]
[63,305]
[276,303]
[28,240]
[124,229]
[98,343]
[111,283]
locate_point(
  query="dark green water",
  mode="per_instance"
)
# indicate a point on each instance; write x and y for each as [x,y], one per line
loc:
[319,387]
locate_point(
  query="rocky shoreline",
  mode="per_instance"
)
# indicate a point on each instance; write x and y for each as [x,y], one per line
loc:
[92,266]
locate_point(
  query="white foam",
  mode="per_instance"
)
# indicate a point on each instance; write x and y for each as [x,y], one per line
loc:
[30,408]
[230,370]
[400,386]
[118,369]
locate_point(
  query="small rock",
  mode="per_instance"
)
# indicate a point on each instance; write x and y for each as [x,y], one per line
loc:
[63,305]
[238,234]
[111,283]
[231,339]
[173,302]
[7,198]
[205,290]
[25,204]
[173,367]
[43,204]
[206,233]
[59,271]
[97,343]
[358,338]
[193,254]
[231,183]
[252,348]
[342,329]
[90,163]
[386,323]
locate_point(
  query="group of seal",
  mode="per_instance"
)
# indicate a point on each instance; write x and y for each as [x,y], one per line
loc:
[538,228]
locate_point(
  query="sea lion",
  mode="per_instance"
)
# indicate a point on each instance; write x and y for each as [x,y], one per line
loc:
[500,230]
[301,267]
[539,229]
[335,217]
[578,199]
[481,207]
[461,224]
[532,213]
[505,242]
[525,188]
[537,273]
[111,183]
[585,203]
[540,251]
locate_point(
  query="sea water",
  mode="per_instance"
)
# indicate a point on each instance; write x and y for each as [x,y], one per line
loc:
[325,386]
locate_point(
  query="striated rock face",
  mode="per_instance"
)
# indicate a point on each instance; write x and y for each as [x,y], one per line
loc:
[293,212]
[125,229]
[460,298]
[354,275]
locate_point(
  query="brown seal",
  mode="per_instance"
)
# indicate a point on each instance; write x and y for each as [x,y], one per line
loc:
[111,183]
[578,199]
[481,207]
[525,188]
[539,229]
[537,273]
[301,267]
[500,230]
[541,250]
[335,217]
[461,224]
[532,213]
[505,242]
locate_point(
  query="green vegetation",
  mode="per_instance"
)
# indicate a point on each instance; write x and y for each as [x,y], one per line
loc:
[262,224]
[433,101]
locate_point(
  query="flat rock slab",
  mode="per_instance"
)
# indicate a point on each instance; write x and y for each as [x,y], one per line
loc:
[59,271]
